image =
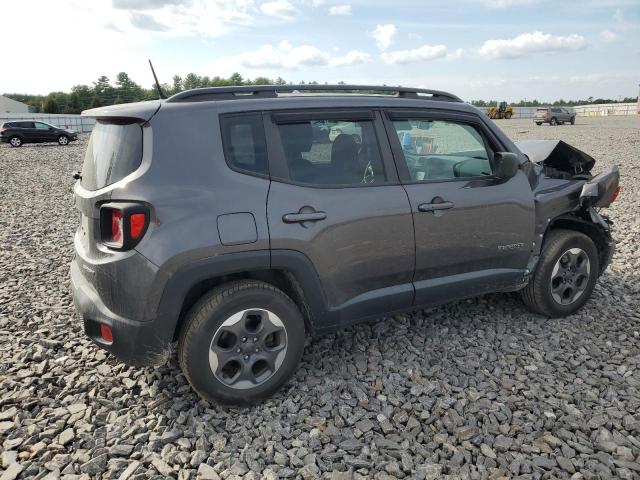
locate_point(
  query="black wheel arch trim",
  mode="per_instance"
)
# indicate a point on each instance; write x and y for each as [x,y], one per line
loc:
[166,310]
[596,228]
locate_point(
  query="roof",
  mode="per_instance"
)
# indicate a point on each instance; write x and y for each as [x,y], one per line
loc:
[281,97]
[246,92]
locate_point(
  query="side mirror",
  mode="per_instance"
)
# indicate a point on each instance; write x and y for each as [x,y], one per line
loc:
[507,164]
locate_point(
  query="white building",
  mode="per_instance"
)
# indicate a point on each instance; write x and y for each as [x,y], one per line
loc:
[8,105]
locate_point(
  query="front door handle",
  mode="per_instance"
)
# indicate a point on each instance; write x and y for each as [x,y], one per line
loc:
[432,207]
[303,217]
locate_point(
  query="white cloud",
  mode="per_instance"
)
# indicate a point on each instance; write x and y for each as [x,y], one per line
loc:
[353,57]
[340,10]
[384,34]
[420,54]
[455,55]
[508,3]
[286,55]
[279,8]
[531,43]
[608,36]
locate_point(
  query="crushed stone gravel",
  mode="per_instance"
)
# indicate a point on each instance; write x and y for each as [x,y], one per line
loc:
[474,389]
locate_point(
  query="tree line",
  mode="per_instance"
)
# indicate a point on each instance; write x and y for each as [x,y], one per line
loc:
[124,90]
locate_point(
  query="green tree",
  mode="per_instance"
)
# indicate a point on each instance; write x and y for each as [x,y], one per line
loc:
[126,89]
[103,90]
[49,105]
[236,79]
[191,81]
[176,87]
[96,102]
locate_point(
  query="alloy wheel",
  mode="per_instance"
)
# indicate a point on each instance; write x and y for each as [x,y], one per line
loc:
[570,276]
[248,348]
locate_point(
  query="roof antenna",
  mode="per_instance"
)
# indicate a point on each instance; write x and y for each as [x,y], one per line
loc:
[161,94]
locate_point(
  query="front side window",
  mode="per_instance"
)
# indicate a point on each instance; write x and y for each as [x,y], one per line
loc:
[41,126]
[245,147]
[442,150]
[332,152]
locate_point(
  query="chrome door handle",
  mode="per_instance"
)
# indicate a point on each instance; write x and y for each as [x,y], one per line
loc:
[303,217]
[431,207]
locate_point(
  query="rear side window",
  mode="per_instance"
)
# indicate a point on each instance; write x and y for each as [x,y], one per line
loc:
[332,152]
[114,151]
[245,147]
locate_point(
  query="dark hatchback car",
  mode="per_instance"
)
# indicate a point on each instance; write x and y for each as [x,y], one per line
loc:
[17,133]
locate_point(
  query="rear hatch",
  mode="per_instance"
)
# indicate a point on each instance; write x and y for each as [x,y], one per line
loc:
[114,151]
[541,113]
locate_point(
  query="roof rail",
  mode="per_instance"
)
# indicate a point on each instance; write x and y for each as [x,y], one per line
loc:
[271,91]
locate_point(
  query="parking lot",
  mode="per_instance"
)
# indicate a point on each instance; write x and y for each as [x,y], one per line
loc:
[475,389]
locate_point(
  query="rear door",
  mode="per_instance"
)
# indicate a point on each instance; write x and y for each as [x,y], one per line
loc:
[473,232]
[28,132]
[335,197]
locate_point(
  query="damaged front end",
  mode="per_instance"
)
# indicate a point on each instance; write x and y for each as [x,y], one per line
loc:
[568,196]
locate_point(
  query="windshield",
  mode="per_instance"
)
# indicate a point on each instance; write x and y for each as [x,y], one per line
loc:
[113,152]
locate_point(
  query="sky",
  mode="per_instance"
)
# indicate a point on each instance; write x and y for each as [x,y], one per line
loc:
[478,49]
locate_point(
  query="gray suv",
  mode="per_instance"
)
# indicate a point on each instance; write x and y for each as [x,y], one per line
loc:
[554,116]
[238,221]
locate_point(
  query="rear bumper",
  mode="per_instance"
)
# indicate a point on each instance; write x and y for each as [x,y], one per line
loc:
[134,342]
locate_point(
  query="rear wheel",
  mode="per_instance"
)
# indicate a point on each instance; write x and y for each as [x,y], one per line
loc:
[566,274]
[241,342]
[573,120]
[538,123]
[15,141]
[63,140]
[553,122]
[507,115]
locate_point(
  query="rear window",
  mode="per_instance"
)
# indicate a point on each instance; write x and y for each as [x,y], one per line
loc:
[114,151]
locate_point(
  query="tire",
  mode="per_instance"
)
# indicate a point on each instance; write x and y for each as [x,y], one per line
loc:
[221,331]
[546,292]
[573,120]
[538,123]
[507,115]
[63,140]
[553,122]
[15,142]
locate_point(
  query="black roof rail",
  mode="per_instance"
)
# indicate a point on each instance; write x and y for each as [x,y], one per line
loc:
[271,91]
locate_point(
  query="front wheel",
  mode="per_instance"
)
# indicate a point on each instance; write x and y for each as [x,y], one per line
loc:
[573,120]
[15,141]
[538,123]
[566,274]
[63,140]
[241,342]
[508,115]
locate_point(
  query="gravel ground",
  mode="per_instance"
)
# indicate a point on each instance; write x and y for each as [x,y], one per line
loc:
[475,389]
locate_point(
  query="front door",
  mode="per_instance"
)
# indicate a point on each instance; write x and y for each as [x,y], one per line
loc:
[335,197]
[473,232]
[44,132]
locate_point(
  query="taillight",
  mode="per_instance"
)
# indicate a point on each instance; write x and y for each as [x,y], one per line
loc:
[116,236]
[123,224]
[616,192]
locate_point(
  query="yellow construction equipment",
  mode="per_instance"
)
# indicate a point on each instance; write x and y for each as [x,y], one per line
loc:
[501,111]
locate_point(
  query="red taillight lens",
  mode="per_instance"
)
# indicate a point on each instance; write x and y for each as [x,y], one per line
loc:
[137,222]
[105,333]
[616,192]
[123,224]
[117,234]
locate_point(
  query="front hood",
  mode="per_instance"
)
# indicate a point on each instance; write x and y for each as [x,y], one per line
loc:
[558,155]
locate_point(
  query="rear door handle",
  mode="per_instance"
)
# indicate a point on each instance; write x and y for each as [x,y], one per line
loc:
[431,207]
[303,217]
